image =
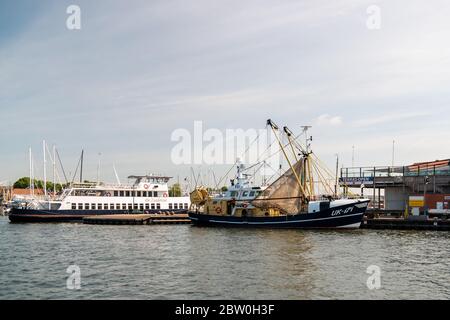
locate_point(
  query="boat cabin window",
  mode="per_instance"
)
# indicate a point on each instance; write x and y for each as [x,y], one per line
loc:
[86,206]
[117,206]
[74,206]
[141,206]
[170,206]
[99,206]
[155,194]
[175,206]
[80,206]
[158,206]
[153,206]
[316,206]
[180,206]
[252,193]
[116,193]
[147,206]
[127,193]
[233,193]
[130,206]
[124,206]
[186,206]
[245,194]
[324,205]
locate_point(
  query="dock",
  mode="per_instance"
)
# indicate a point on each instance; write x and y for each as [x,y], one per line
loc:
[138,219]
[411,223]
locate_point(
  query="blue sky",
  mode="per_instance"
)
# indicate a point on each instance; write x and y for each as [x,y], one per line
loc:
[137,70]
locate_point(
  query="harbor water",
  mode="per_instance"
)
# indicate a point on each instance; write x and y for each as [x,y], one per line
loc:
[186,262]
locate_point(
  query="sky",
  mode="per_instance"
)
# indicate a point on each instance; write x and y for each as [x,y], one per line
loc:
[138,70]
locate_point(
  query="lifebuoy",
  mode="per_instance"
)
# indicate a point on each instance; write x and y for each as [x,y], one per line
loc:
[146,186]
[245,205]
[218,210]
[108,194]
[165,194]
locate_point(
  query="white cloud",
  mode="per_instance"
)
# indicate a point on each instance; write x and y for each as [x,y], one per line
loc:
[328,120]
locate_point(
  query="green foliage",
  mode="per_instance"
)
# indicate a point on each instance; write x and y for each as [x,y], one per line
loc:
[175,190]
[24,183]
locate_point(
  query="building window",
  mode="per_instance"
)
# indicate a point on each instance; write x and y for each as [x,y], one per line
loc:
[74,206]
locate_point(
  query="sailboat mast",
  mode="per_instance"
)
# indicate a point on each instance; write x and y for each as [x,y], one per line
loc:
[31,173]
[54,170]
[81,171]
[45,169]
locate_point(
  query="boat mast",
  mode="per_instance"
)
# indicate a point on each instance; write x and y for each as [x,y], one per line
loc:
[274,128]
[45,169]
[308,166]
[54,170]
[81,169]
[31,173]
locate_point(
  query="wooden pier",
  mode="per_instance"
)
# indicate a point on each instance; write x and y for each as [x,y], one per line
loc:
[411,223]
[138,219]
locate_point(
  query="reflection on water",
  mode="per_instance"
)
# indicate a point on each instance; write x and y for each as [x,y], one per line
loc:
[184,262]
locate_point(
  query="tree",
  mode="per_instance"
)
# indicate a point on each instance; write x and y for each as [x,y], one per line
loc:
[175,190]
[24,183]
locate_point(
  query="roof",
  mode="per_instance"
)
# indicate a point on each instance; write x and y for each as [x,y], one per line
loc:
[24,192]
[432,163]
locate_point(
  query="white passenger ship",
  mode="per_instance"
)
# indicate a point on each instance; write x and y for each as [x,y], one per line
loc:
[149,194]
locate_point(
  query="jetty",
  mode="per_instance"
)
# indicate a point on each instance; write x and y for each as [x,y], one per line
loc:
[409,223]
[138,219]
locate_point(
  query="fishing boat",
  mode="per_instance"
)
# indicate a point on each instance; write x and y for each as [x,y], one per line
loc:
[301,197]
[149,194]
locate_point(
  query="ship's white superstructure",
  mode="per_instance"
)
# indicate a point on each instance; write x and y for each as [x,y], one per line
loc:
[149,193]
